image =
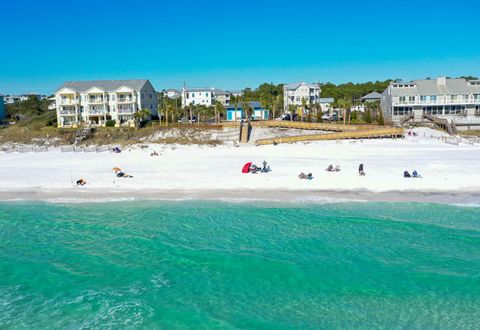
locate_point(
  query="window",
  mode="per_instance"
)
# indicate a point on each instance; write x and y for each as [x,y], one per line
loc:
[113,97]
[402,111]
[193,94]
[188,95]
[150,96]
[453,97]
[411,99]
[423,98]
[433,98]
[403,99]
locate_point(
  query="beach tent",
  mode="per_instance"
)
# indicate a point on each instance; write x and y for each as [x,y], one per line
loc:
[246,167]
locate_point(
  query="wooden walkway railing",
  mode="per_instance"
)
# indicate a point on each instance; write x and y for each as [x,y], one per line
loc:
[316,126]
[361,134]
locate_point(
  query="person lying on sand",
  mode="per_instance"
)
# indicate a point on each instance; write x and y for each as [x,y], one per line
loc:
[154,153]
[123,175]
[81,182]
[302,176]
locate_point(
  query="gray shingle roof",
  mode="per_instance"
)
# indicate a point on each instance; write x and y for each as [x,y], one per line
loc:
[106,85]
[372,96]
[215,91]
[294,86]
[432,87]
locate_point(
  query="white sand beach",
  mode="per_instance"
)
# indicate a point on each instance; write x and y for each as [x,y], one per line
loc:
[215,172]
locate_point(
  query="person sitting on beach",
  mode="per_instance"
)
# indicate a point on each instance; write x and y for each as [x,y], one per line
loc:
[337,168]
[116,150]
[265,168]
[302,176]
[81,182]
[361,172]
[415,174]
[330,168]
[254,169]
[406,174]
[154,153]
[309,176]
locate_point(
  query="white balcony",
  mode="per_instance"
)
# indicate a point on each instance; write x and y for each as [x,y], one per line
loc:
[68,102]
[97,100]
[97,112]
[67,112]
[126,110]
[438,102]
[125,100]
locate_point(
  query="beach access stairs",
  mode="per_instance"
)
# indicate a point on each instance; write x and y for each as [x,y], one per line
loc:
[446,125]
[245,132]
[82,133]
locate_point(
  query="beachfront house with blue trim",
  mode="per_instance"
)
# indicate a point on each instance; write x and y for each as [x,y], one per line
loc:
[3,114]
[236,113]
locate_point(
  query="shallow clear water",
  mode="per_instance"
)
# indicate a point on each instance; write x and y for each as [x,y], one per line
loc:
[220,265]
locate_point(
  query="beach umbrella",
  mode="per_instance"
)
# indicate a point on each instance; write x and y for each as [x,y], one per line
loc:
[246,167]
[117,169]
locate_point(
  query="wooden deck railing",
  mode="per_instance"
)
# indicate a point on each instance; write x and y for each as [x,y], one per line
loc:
[361,134]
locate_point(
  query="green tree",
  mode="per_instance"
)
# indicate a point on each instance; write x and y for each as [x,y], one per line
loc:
[219,109]
[367,116]
[292,109]
[380,119]
[141,115]
[304,107]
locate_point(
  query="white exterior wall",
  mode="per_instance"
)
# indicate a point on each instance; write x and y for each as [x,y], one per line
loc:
[109,101]
[197,97]
[304,91]
[467,101]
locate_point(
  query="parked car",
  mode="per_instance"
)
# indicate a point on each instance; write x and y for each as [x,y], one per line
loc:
[334,117]
[286,116]
[185,120]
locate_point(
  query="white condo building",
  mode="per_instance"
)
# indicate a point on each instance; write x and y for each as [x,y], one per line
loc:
[442,97]
[95,102]
[295,93]
[204,96]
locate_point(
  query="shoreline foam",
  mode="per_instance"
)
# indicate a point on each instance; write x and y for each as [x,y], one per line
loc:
[464,198]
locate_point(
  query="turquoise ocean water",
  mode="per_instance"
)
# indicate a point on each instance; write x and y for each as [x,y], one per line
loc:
[219,265]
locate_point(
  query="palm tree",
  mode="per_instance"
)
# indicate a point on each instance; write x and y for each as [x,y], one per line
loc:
[218,110]
[292,108]
[141,115]
[304,107]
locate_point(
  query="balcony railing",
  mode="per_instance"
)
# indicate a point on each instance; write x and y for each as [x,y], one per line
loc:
[125,100]
[67,112]
[127,110]
[439,102]
[97,111]
[96,100]
[68,102]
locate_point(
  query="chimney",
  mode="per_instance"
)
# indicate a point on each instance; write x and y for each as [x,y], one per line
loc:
[441,81]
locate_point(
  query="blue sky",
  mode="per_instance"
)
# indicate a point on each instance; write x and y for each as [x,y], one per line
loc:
[234,44]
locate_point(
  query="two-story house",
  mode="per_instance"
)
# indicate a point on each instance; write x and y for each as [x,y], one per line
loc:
[296,93]
[442,97]
[204,96]
[95,102]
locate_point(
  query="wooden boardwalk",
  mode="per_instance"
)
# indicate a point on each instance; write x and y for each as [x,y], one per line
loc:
[316,126]
[388,132]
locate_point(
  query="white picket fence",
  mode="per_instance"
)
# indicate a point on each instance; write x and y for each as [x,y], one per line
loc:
[26,149]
